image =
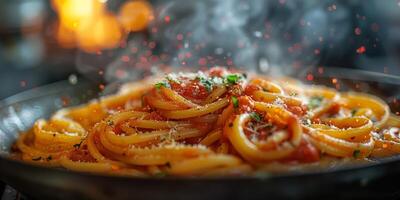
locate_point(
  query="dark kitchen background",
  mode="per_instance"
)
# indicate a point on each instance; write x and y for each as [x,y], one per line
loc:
[38,45]
[43,41]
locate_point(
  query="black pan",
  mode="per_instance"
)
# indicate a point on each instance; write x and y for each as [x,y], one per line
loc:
[18,113]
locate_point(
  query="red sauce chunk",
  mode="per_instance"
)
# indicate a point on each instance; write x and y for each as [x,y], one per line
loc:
[305,153]
[155,116]
[190,89]
[245,104]
[298,110]
[251,88]
[81,155]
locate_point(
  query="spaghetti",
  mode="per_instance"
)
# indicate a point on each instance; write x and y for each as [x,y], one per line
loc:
[213,123]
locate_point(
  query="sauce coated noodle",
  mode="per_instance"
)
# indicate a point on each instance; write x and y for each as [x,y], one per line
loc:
[213,123]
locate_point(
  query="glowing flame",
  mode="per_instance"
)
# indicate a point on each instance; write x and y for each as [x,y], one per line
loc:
[135,15]
[88,25]
[103,33]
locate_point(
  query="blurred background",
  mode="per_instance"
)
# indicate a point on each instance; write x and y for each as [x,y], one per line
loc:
[45,41]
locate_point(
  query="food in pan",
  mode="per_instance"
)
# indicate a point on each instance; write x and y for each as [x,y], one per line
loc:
[214,123]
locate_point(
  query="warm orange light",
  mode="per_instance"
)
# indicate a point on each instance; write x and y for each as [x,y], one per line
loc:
[103,33]
[135,15]
[88,25]
[66,37]
[73,13]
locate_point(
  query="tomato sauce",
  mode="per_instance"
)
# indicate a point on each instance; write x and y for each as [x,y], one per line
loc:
[305,153]
[251,88]
[190,89]
[81,155]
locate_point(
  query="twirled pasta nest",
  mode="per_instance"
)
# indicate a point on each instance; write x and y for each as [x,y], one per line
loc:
[213,123]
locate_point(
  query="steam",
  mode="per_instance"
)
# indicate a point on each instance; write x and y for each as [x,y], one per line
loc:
[276,37]
[212,32]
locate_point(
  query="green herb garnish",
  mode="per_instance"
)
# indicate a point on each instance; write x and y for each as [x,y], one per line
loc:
[255,116]
[207,83]
[353,112]
[208,86]
[235,102]
[110,122]
[162,84]
[232,79]
[315,102]
[217,80]
[306,121]
[356,153]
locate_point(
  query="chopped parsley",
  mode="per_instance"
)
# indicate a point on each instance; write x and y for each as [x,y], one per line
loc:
[110,122]
[217,80]
[353,112]
[210,82]
[255,116]
[207,83]
[235,102]
[232,79]
[315,102]
[356,153]
[208,86]
[162,84]
[262,126]
[306,121]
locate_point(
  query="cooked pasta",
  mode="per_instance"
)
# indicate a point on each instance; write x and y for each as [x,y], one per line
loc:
[214,123]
